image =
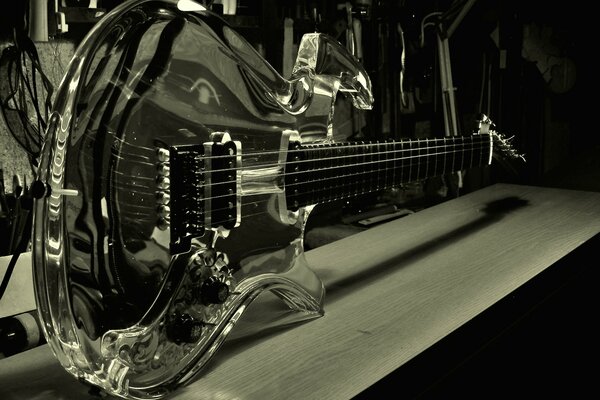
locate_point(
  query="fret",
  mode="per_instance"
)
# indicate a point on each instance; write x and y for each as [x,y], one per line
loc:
[472,151]
[418,160]
[463,147]
[435,155]
[343,181]
[319,181]
[375,170]
[445,150]
[383,161]
[351,170]
[439,157]
[423,159]
[319,175]
[453,154]
[487,150]
[433,150]
[331,173]
[336,171]
[314,166]
[363,167]
[426,175]
[328,174]
[360,159]
[389,167]
[381,156]
[375,165]
[456,151]
[468,150]
[461,150]
[400,157]
[406,160]
[316,163]
[411,160]
[368,176]
[381,172]
[391,156]
[355,170]
[448,147]
[478,149]
[485,147]
[346,181]
[371,175]
[481,144]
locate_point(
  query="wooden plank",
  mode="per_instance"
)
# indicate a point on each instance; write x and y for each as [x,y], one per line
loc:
[393,291]
[19,296]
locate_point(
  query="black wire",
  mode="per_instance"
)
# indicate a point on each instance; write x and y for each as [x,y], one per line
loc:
[21,69]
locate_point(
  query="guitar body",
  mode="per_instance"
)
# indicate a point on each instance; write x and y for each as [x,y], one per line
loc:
[135,296]
[176,178]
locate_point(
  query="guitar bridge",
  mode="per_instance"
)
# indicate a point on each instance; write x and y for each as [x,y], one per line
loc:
[204,189]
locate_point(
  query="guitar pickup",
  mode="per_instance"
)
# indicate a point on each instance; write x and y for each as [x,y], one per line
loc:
[222,187]
[204,189]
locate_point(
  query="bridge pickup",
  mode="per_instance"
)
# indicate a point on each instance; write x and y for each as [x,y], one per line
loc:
[222,188]
[204,189]
[187,204]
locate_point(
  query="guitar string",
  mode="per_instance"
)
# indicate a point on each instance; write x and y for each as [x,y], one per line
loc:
[374,171]
[452,147]
[416,157]
[315,193]
[320,200]
[318,148]
[318,197]
[330,146]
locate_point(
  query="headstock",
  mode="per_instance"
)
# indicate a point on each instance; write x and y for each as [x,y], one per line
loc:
[503,149]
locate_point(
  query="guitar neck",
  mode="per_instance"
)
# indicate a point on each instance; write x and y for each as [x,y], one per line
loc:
[318,173]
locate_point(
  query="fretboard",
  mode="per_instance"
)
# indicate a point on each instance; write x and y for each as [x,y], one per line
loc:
[318,173]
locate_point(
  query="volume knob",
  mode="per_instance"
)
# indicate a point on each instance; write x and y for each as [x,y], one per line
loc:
[214,291]
[183,328]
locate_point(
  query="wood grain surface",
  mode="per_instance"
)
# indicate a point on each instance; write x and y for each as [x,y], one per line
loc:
[392,292]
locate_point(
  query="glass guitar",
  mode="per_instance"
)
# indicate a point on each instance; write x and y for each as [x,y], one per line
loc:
[178,172]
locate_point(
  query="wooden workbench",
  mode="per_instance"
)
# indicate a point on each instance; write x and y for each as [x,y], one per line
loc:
[393,292]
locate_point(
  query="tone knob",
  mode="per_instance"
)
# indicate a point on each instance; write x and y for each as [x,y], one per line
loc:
[213,291]
[183,328]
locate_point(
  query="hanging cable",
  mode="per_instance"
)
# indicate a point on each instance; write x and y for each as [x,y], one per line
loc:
[25,95]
